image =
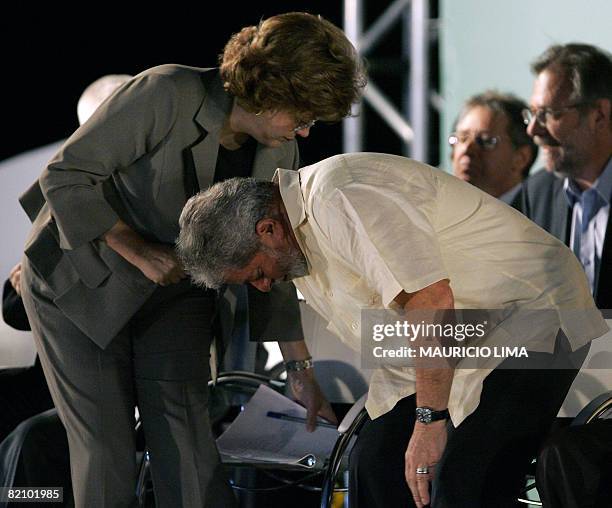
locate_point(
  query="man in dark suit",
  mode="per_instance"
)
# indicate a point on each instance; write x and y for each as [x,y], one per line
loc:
[23,391]
[116,321]
[490,148]
[570,119]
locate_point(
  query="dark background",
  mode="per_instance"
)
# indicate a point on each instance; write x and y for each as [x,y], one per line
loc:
[50,57]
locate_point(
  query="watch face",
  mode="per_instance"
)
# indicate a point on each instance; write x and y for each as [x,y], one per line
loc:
[423,414]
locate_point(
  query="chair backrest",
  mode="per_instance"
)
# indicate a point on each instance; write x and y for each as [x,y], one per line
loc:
[599,407]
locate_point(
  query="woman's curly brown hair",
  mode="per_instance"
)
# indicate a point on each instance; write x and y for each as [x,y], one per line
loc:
[294,62]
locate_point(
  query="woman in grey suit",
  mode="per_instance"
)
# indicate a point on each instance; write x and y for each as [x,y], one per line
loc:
[116,321]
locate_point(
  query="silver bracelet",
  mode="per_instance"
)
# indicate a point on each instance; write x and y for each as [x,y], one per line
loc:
[298,365]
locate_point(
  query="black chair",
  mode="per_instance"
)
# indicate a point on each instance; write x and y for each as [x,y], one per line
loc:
[35,454]
[599,407]
[223,394]
[348,429]
[226,394]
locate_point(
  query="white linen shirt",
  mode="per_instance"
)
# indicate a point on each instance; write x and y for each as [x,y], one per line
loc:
[374,225]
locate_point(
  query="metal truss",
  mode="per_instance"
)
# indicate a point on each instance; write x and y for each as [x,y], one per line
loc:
[411,123]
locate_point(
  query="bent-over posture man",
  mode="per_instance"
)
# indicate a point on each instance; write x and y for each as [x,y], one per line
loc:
[375,231]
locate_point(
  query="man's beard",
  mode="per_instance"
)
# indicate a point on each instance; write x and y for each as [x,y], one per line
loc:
[561,160]
[291,262]
[567,160]
[567,164]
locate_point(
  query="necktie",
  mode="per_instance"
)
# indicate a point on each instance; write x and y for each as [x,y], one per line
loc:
[591,203]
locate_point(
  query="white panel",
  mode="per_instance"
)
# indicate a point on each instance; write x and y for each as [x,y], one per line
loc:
[490,44]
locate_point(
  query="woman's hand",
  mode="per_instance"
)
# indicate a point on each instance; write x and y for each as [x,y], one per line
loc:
[157,261]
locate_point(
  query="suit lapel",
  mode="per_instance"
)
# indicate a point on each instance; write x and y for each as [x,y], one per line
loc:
[560,220]
[603,288]
[266,162]
[213,111]
[204,155]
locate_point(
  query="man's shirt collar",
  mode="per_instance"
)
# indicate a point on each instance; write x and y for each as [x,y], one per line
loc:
[291,193]
[603,186]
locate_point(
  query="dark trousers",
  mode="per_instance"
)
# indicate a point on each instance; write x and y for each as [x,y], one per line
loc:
[158,362]
[486,456]
[575,467]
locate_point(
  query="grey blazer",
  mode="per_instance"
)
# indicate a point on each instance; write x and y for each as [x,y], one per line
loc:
[132,160]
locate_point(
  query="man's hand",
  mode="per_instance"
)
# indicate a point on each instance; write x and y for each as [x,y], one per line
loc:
[432,390]
[307,391]
[424,450]
[305,387]
[15,278]
[158,262]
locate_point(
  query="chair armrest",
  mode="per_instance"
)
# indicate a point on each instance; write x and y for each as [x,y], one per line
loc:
[356,408]
[593,409]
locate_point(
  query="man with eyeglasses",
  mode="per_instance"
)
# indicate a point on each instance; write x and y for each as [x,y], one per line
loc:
[365,232]
[490,148]
[570,118]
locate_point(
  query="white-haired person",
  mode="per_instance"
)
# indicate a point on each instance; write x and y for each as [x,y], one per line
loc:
[369,232]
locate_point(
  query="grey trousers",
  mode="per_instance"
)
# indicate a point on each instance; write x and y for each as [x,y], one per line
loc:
[158,362]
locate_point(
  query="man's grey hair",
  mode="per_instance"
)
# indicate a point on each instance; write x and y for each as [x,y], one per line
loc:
[587,68]
[97,92]
[218,228]
[511,107]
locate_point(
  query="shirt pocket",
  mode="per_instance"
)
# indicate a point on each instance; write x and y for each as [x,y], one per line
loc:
[346,287]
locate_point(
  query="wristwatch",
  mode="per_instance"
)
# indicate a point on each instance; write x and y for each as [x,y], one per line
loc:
[427,415]
[299,365]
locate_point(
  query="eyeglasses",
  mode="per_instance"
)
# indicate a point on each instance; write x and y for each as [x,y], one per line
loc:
[483,140]
[544,115]
[304,125]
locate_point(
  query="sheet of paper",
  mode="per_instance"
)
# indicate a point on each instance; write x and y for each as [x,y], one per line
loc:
[254,437]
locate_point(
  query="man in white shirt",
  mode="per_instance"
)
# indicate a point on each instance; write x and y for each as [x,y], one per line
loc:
[375,231]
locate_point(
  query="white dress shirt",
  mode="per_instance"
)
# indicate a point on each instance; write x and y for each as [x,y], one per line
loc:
[587,239]
[374,225]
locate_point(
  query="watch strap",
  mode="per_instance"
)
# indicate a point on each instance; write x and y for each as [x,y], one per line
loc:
[298,365]
[428,415]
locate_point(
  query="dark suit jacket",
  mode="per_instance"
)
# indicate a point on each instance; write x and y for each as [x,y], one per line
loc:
[513,197]
[543,201]
[134,159]
[13,312]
